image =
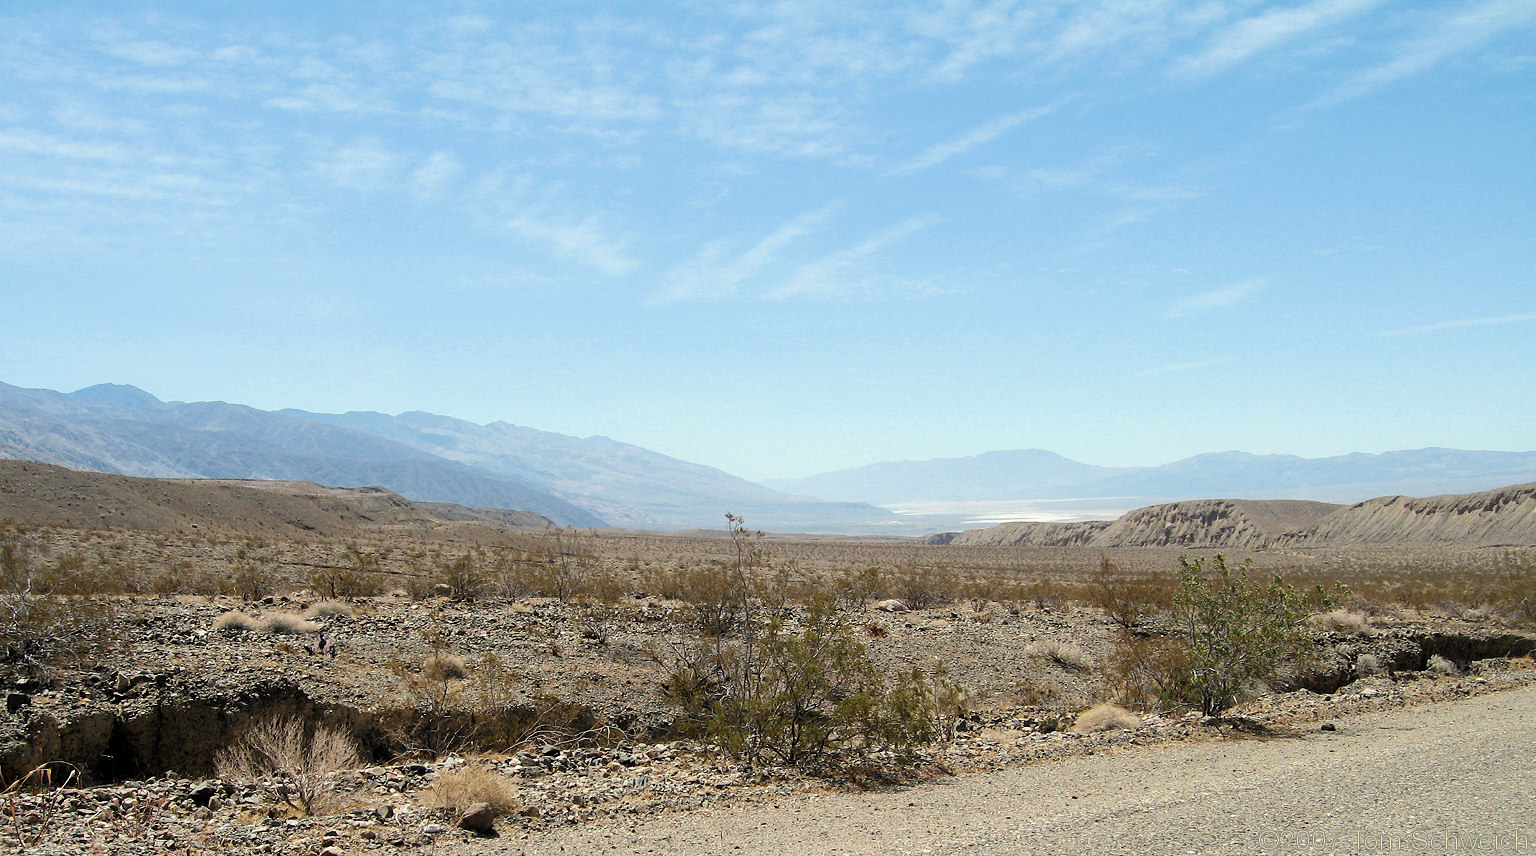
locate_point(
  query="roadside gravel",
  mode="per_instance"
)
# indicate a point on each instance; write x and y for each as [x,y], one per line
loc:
[1454,777]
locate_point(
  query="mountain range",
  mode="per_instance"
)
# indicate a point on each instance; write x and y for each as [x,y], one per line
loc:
[588,482]
[597,481]
[1039,474]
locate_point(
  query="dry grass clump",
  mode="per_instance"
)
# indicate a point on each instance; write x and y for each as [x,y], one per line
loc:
[236,622]
[288,624]
[461,787]
[1105,717]
[328,609]
[1441,666]
[1063,654]
[1367,665]
[442,666]
[1341,621]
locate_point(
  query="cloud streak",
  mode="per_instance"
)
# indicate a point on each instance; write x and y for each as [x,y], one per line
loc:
[1457,33]
[711,275]
[978,136]
[1251,36]
[846,271]
[1219,298]
[1460,324]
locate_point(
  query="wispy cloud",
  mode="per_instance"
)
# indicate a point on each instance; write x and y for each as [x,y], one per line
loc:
[580,241]
[712,273]
[434,175]
[1179,368]
[1250,36]
[846,271]
[1218,298]
[1460,324]
[978,136]
[1456,33]
[365,164]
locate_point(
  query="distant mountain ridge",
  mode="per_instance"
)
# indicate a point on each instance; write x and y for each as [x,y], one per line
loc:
[627,485]
[125,431]
[1038,474]
[121,429]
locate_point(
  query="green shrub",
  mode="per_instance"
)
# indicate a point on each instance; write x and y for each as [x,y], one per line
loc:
[808,696]
[1236,631]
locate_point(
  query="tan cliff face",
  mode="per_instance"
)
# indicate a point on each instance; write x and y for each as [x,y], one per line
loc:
[1503,517]
[1495,518]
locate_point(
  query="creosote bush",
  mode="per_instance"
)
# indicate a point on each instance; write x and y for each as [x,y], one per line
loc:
[805,694]
[1236,632]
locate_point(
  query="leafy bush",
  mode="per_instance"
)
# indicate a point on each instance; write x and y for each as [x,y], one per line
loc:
[1150,672]
[1236,631]
[463,578]
[362,576]
[809,696]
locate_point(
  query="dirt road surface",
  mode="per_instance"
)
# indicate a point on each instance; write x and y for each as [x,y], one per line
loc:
[1452,778]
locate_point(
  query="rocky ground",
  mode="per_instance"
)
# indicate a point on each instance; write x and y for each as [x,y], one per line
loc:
[181,684]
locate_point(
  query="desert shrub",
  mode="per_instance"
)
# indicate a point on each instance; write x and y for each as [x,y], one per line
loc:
[249,580]
[1236,631]
[1063,654]
[924,587]
[302,761]
[40,625]
[1105,717]
[1367,665]
[236,622]
[463,577]
[714,597]
[569,562]
[1128,600]
[854,589]
[288,624]
[1341,621]
[471,783]
[362,576]
[451,707]
[442,666]
[809,696]
[1150,672]
[1441,666]
[328,609]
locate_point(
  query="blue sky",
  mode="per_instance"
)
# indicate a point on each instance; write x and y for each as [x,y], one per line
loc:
[788,237]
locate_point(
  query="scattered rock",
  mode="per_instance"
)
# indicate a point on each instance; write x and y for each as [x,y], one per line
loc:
[479,818]
[891,605]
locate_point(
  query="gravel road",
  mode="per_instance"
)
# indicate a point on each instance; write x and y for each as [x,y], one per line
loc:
[1457,777]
